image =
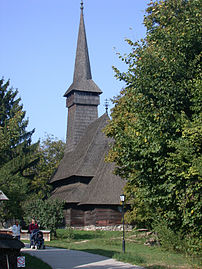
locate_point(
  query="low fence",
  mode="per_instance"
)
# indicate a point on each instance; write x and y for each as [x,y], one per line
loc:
[24,235]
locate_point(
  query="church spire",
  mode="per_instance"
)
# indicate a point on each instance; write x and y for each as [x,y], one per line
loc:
[82,68]
[82,79]
[82,97]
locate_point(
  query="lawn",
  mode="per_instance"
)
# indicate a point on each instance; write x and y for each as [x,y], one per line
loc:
[110,244]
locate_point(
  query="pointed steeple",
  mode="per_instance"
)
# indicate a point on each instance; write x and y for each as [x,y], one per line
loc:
[82,68]
[83,96]
[82,80]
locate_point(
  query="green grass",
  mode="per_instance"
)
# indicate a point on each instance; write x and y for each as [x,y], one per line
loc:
[110,244]
[32,262]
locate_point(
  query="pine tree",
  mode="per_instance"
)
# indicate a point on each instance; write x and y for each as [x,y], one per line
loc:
[17,154]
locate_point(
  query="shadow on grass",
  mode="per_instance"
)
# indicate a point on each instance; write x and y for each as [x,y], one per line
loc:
[79,236]
[125,257]
[156,267]
[102,252]
[119,256]
[86,236]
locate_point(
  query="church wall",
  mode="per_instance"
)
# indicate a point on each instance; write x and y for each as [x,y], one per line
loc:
[107,217]
[67,217]
[77,217]
[79,118]
[92,215]
[70,129]
[73,215]
[90,218]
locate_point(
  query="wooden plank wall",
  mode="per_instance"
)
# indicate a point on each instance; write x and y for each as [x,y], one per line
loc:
[107,216]
[98,216]
[67,217]
[90,217]
[77,217]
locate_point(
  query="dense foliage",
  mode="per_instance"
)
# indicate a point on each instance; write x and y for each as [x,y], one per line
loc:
[50,152]
[48,213]
[156,121]
[17,154]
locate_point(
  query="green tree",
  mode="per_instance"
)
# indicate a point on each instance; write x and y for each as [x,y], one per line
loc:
[50,152]
[156,120]
[48,213]
[17,154]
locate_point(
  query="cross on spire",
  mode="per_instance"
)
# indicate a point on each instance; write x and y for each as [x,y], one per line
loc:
[106,105]
[81,4]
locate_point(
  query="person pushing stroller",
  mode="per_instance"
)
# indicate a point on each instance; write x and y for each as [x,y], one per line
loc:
[37,239]
[33,226]
[36,236]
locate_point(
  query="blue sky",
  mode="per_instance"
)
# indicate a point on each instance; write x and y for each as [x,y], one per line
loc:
[38,46]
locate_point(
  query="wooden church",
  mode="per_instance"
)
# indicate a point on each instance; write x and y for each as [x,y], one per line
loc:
[83,179]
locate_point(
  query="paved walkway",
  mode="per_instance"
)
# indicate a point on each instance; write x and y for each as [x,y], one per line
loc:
[71,259]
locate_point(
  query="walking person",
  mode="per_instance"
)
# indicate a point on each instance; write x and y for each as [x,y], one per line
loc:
[16,229]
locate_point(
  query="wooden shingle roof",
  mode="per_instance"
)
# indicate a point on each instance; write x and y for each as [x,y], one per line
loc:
[85,159]
[70,193]
[82,80]
[105,187]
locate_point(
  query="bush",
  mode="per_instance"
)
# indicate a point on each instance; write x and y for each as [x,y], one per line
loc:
[193,245]
[176,241]
[48,213]
[168,239]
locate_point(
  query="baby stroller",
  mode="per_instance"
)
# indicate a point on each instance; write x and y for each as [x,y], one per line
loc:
[37,239]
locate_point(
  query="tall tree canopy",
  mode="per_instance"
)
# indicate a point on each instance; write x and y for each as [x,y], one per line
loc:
[17,154]
[48,213]
[156,121]
[50,151]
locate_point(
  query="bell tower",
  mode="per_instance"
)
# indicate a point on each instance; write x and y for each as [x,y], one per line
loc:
[82,97]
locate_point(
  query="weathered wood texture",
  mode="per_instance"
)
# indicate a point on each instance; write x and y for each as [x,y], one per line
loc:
[97,216]
[107,216]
